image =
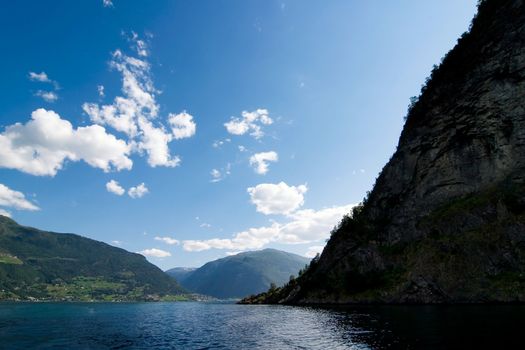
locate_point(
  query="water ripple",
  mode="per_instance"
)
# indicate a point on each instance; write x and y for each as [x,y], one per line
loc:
[230,326]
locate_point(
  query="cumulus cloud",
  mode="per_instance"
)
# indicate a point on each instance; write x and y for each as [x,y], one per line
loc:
[14,199]
[303,226]
[41,77]
[182,125]
[277,198]
[167,240]
[43,144]
[48,96]
[136,113]
[249,122]
[114,187]
[313,251]
[259,161]
[138,191]
[155,253]
[155,143]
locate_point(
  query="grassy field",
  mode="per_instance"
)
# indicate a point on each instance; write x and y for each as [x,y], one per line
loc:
[8,259]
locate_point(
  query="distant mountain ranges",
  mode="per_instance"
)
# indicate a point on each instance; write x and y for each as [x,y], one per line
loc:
[181,273]
[242,274]
[40,265]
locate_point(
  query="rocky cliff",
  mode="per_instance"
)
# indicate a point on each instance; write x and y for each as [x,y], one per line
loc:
[445,221]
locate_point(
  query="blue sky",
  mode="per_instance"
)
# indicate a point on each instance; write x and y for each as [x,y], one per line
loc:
[189,130]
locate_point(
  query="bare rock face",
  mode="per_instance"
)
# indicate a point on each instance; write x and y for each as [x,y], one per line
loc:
[466,131]
[445,221]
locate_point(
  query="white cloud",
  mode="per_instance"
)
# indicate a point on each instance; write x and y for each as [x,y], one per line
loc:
[303,226]
[114,187]
[200,245]
[219,143]
[43,144]
[41,77]
[216,175]
[138,191]
[136,113]
[205,225]
[119,243]
[100,90]
[107,3]
[310,225]
[259,161]
[140,45]
[155,143]
[277,198]
[155,253]
[242,148]
[313,251]
[5,213]
[249,122]
[14,199]
[48,96]
[219,175]
[182,125]
[138,101]
[167,240]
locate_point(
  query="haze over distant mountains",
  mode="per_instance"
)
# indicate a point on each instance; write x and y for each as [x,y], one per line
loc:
[242,274]
[181,273]
[43,265]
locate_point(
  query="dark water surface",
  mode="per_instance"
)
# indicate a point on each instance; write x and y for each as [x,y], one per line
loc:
[195,325]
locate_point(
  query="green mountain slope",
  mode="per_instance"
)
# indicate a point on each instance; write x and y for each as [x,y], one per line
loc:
[56,266]
[244,274]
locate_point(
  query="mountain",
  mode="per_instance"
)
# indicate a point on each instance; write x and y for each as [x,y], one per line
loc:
[181,273]
[445,221]
[244,273]
[43,265]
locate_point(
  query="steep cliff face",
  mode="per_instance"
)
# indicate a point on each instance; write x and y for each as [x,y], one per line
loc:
[445,221]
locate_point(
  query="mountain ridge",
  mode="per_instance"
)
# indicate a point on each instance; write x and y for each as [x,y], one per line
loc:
[243,274]
[43,265]
[445,220]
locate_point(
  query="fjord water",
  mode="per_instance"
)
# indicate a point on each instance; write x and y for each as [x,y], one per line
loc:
[195,325]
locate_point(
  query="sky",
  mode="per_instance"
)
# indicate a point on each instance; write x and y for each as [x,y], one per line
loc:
[192,130]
